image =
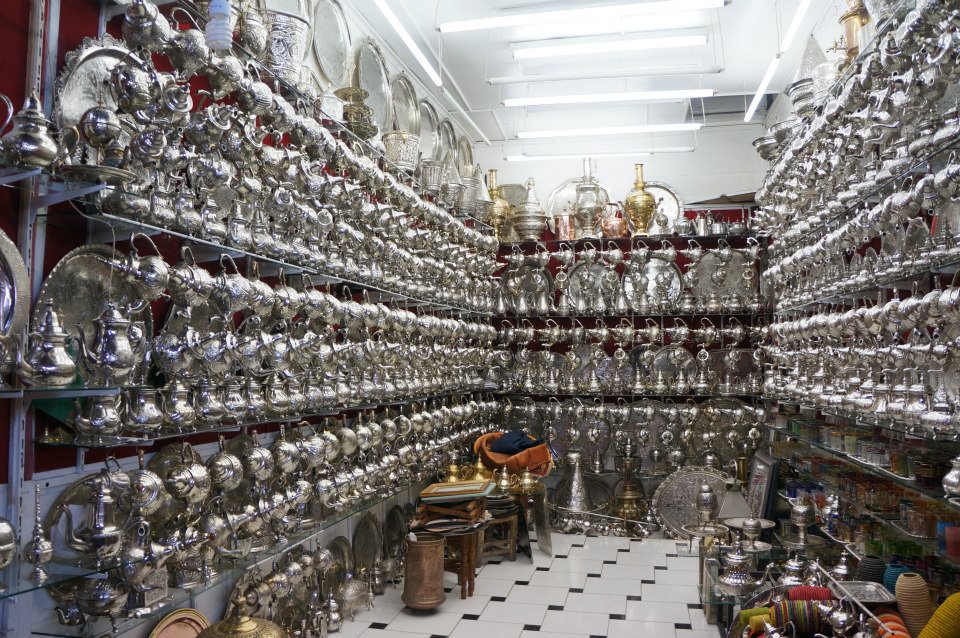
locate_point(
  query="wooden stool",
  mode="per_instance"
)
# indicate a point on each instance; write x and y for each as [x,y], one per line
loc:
[500,537]
[465,565]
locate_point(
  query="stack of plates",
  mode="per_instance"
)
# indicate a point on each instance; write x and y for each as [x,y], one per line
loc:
[500,504]
[801,95]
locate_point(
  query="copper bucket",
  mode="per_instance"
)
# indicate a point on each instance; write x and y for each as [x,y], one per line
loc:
[423,576]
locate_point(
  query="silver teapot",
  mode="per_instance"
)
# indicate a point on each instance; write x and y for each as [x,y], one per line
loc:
[46,361]
[99,537]
[116,349]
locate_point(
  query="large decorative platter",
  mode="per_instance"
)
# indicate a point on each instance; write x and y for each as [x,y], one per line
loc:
[373,78]
[671,360]
[341,565]
[464,156]
[448,141]
[668,205]
[657,281]
[429,131]
[81,283]
[588,284]
[406,110]
[675,501]
[331,42]
[14,288]
[394,531]
[84,81]
[564,196]
[367,541]
[515,194]
[714,273]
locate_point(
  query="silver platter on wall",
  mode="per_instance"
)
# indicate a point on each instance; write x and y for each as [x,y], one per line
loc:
[331,42]
[429,131]
[373,78]
[14,288]
[448,141]
[406,110]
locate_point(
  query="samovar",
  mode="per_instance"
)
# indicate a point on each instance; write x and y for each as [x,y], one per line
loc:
[639,204]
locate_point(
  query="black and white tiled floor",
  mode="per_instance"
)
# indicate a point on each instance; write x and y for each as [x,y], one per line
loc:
[593,586]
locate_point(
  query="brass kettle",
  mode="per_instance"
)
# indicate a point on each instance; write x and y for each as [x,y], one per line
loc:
[239,625]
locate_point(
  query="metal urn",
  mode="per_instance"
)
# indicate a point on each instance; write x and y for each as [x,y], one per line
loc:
[639,204]
[529,221]
[501,207]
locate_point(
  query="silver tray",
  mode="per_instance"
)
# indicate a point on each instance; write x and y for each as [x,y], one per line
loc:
[340,566]
[564,196]
[84,79]
[464,157]
[587,282]
[675,502]
[867,592]
[673,359]
[394,531]
[406,111]
[668,205]
[14,288]
[657,280]
[429,131]
[373,78]
[331,42]
[367,542]
[447,143]
[79,285]
[711,274]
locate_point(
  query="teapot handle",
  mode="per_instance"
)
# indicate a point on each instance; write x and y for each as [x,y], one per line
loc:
[133,249]
[8,105]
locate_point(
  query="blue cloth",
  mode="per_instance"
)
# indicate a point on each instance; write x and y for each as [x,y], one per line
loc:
[514,442]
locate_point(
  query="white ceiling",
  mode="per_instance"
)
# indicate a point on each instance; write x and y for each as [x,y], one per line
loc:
[742,37]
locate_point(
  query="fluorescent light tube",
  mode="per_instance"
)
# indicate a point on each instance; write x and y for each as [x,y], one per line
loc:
[640,153]
[592,13]
[596,98]
[408,40]
[762,89]
[605,73]
[611,130]
[588,48]
[794,25]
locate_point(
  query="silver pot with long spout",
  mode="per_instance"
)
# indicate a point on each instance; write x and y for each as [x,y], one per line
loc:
[99,537]
[117,347]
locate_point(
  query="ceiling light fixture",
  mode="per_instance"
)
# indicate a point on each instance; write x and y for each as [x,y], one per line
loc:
[408,40]
[605,73]
[611,130]
[587,48]
[592,13]
[762,89]
[524,157]
[597,98]
[788,38]
[794,25]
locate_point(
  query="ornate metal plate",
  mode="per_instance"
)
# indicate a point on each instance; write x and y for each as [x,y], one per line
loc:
[406,111]
[464,156]
[448,141]
[14,288]
[429,131]
[84,79]
[675,502]
[515,194]
[341,565]
[528,281]
[672,359]
[80,284]
[331,42]
[714,274]
[367,541]
[372,77]
[658,280]
[668,205]
[394,531]
[588,282]
[181,623]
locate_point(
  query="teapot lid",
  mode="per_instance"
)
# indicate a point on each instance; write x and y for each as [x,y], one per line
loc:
[49,323]
[736,556]
[31,109]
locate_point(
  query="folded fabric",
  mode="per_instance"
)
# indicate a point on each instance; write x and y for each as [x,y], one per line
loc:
[514,442]
[536,459]
[806,592]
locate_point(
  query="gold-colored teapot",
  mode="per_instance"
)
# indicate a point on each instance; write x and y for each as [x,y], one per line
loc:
[639,204]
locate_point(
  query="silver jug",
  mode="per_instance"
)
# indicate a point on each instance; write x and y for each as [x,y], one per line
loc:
[46,361]
[115,351]
[99,538]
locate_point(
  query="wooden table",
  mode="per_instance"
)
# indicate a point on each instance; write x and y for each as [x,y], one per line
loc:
[465,565]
